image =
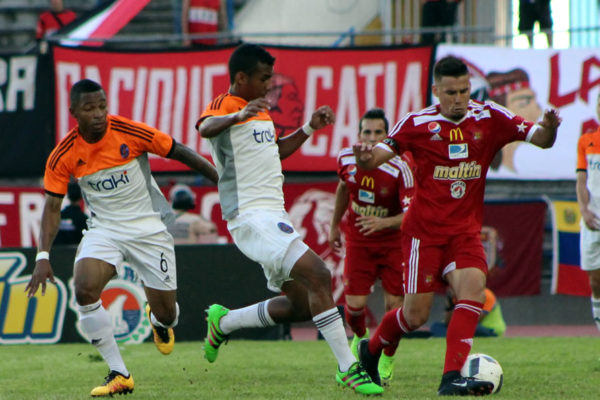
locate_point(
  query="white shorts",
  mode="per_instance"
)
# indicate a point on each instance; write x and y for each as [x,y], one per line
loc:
[152,256]
[589,246]
[268,238]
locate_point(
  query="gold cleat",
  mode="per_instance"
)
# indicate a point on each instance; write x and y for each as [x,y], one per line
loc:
[164,339]
[115,383]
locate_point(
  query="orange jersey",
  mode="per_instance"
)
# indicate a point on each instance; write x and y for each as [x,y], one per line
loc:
[247,159]
[588,160]
[114,175]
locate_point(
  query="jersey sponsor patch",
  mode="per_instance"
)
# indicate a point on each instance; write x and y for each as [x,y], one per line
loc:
[434,127]
[458,151]
[366,196]
[285,228]
[458,189]
[124,150]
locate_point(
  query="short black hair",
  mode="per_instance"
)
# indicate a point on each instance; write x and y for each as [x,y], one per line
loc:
[83,86]
[450,66]
[374,113]
[73,192]
[245,58]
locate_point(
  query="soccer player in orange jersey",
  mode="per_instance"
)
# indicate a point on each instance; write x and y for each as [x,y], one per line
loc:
[247,153]
[453,144]
[588,197]
[107,154]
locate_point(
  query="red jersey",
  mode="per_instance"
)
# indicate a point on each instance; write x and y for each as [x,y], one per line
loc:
[203,17]
[452,159]
[382,192]
[49,22]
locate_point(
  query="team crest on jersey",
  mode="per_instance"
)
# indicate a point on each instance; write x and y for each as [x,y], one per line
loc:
[434,127]
[285,227]
[366,196]
[457,151]
[458,189]
[124,300]
[124,151]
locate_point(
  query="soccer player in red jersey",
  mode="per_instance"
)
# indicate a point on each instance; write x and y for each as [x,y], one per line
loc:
[374,201]
[452,144]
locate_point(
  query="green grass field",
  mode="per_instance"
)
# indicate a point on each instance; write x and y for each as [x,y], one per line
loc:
[534,368]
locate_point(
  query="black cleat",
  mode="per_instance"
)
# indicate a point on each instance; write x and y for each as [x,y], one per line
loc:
[453,384]
[368,361]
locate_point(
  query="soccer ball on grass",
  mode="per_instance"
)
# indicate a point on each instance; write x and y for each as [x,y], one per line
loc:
[484,367]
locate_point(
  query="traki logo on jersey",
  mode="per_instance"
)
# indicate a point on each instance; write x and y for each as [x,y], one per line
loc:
[110,183]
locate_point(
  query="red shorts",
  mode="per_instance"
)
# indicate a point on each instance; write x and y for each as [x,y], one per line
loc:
[427,263]
[364,264]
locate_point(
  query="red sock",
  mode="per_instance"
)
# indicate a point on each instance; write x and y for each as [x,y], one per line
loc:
[459,337]
[355,317]
[392,327]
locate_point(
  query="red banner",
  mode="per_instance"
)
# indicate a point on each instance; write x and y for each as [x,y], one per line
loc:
[513,242]
[169,90]
[512,234]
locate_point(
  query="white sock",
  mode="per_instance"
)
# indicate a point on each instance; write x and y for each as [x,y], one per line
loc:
[254,316]
[596,311]
[96,324]
[331,326]
[156,322]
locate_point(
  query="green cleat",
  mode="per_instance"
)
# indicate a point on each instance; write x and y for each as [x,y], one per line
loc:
[355,340]
[214,335]
[386,368]
[358,379]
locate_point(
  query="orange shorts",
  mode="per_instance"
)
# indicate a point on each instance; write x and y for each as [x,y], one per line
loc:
[364,264]
[426,262]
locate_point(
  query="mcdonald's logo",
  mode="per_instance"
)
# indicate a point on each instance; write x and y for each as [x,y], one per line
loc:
[456,134]
[368,181]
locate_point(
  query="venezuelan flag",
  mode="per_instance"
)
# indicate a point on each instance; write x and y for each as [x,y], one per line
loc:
[567,276]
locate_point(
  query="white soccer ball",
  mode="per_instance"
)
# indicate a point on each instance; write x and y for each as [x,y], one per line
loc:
[484,367]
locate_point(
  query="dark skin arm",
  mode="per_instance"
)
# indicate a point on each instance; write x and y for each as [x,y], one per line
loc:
[49,228]
[213,126]
[322,117]
[195,161]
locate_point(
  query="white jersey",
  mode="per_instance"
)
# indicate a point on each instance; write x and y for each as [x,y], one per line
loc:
[247,159]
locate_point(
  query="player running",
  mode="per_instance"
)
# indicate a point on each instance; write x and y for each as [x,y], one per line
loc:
[452,144]
[107,154]
[247,153]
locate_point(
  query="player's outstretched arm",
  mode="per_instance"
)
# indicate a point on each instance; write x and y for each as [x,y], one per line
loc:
[322,117]
[49,228]
[369,157]
[545,135]
[195,161]
[212,126]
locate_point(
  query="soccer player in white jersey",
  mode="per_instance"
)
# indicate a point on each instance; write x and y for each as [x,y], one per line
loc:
[453,144]
[107,154]
[588,197]
[247,153]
